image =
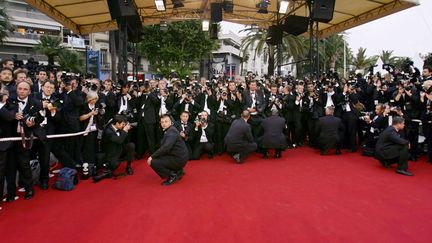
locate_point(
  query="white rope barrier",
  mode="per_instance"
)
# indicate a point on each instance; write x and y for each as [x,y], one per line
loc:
[65,135]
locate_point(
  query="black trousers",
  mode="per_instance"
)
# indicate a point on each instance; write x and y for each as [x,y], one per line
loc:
[244,149]
[127,154]
[201,148]
[3,162]
[88,144]
[58,148]
[146,138]
[349,120]
[413,136]
[298,130]
[221,131]
[164,166]
[18,159]
[42,151]
[401,158]
[428,134]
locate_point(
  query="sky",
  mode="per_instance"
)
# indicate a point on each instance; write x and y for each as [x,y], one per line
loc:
[408,33]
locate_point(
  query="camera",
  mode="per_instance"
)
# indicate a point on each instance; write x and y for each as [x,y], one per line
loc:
[408,88]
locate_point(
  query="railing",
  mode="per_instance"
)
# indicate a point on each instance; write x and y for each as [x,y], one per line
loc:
[28,14]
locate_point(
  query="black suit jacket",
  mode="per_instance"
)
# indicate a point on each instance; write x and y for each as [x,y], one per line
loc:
[112,143]
[273,136]
[172,145]
[240,133]
[72,103]
[389,143]
[209,131]
[151,105]
[260,101]
[189,127]
[7,117]
[330,129]
[51,120]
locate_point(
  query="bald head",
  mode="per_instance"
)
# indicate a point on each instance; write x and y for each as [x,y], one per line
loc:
[245,115]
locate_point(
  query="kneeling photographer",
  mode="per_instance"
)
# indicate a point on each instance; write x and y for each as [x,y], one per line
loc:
[116,147]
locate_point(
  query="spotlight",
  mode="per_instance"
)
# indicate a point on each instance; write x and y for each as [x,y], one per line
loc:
[205,25]
[263,5]
[228,6]
[177,3]
[283,7]
[160,5]
[163,25]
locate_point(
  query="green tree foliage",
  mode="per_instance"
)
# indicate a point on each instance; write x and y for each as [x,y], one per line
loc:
[5,25]
[72,60]
[387,57]
[50,46]
[180,48]
[292,47]
[361,61]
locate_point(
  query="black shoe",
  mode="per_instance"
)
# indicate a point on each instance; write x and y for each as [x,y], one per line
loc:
[171,179]
[180,174]
[404,172]
[266,155]
[352,150]
[44,185]
[29,194]
[338,152]
[413,158]
[324,152]
[139,157]
[385,164]
[129,170]
[11,198]
[237,158]
[104,175]
[278,155]
[210,156]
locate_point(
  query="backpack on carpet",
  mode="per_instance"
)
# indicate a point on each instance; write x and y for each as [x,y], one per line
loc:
[66,180]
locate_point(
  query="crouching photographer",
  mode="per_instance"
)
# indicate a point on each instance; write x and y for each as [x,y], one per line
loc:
[426,104]
[116,147]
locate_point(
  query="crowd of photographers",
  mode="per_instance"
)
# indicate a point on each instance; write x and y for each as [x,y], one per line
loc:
[56,102]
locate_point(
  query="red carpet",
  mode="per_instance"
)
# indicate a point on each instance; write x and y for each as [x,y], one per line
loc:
[302,198]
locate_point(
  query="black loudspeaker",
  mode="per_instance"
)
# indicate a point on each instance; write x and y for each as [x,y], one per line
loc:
[121,8]
[216,12]
[323,10]
[214,32]
[296,25]
[274,35]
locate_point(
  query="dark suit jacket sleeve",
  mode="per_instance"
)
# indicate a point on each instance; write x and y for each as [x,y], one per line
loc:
[396,139]
[249,136]
[6,115]
[168,142]
[112,137]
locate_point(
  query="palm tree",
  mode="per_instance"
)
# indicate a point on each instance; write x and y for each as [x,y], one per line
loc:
[387,57]
[50,46]
[72,60]
[361,61]
[5,25]
[291,47]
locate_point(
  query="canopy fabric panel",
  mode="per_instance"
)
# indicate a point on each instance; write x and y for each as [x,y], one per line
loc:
[88,16]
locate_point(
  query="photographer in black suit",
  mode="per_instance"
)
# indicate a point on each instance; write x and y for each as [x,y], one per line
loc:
[329,132]
[7,117]
[185,128]
[116,147]
[239,140]
[148,106]
[50,104]
[202,136]
[27,120]
[273,137]
[391,148]
[168,161]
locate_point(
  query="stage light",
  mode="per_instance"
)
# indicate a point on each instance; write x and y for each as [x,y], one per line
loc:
[163,25]
[160,5]
[177,3]
[283,7]
[205,25]
[228,6]
[263,5]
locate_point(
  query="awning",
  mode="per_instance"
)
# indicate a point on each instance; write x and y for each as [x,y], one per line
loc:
[87,16]
[35,25]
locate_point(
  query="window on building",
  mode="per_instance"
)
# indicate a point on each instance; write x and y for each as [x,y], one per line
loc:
[103,56]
